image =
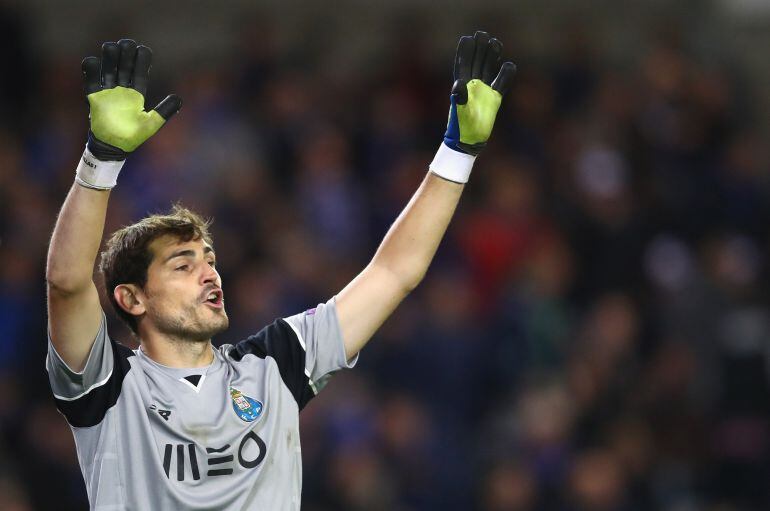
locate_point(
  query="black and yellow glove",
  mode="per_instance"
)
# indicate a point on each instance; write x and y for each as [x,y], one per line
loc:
[115,87]
[480,83]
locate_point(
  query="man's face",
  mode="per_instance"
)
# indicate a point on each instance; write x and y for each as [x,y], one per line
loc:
[183,295]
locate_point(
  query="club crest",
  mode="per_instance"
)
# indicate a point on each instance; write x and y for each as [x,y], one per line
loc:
[248,409]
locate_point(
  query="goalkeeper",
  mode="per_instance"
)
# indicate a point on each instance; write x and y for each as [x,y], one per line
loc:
[177,423]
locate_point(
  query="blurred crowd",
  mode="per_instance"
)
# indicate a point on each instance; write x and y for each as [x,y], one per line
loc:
[592,335]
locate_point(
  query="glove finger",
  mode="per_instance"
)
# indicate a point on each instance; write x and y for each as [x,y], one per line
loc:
[91,79]
[482,44]
[142,69]
[110,55]
[126,61]
[169,106]
[460,92]
[504,78]
[492,61]
[464,58]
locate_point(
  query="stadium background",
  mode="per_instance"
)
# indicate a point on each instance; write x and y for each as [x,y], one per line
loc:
[593,334]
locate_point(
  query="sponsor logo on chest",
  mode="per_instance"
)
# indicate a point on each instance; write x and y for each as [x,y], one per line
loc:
[249,452]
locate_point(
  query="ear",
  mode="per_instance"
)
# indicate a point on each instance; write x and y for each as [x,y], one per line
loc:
[130,298]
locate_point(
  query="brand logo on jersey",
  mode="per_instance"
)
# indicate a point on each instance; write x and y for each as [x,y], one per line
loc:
[248,409]
[163,413]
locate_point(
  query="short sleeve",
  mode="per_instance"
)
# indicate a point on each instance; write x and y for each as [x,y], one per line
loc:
[318,331]
[84,397]
[307,348]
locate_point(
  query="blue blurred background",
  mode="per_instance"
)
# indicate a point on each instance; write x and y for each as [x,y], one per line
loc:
[593,334]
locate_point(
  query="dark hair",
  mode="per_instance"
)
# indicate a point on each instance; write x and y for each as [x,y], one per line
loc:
[127,255]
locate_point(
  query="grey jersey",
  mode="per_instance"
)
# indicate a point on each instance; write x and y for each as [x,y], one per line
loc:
[224,436]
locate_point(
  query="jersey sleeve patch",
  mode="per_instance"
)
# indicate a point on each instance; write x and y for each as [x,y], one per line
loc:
[84,397]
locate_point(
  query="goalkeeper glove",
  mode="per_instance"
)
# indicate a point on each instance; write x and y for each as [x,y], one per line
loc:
[474,102]
[115,89]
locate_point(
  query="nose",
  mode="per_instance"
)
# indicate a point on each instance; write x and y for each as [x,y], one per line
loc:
[209,275]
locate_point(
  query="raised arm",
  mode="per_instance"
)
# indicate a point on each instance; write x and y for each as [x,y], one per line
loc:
[409,246]
[115,87]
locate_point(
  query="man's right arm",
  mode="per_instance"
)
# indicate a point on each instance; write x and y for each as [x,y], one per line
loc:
[74,312]
[115,87]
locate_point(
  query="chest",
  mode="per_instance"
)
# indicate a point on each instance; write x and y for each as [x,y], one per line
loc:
[227,423]
[228,400]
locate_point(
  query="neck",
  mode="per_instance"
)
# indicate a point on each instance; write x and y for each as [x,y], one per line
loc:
[178,353]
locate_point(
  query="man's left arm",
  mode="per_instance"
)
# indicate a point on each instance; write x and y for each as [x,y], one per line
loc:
[399,264]
[405,253]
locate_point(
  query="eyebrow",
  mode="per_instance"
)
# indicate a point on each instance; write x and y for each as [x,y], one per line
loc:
[188,253]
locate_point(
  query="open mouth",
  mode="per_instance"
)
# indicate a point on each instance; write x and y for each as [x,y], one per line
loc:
[215,298]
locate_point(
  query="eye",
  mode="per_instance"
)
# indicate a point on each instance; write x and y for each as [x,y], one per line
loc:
[213,264]
[182,268]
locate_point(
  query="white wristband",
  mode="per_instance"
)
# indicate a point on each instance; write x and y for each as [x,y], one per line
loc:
[452,165]
[97,174]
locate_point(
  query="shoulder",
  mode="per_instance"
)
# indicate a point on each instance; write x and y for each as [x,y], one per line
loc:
[89,406]
[271,341]
[280,343]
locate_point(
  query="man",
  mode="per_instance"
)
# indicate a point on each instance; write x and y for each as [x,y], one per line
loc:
[178,424]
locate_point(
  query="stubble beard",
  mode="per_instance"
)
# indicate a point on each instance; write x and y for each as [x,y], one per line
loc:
[189,325]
